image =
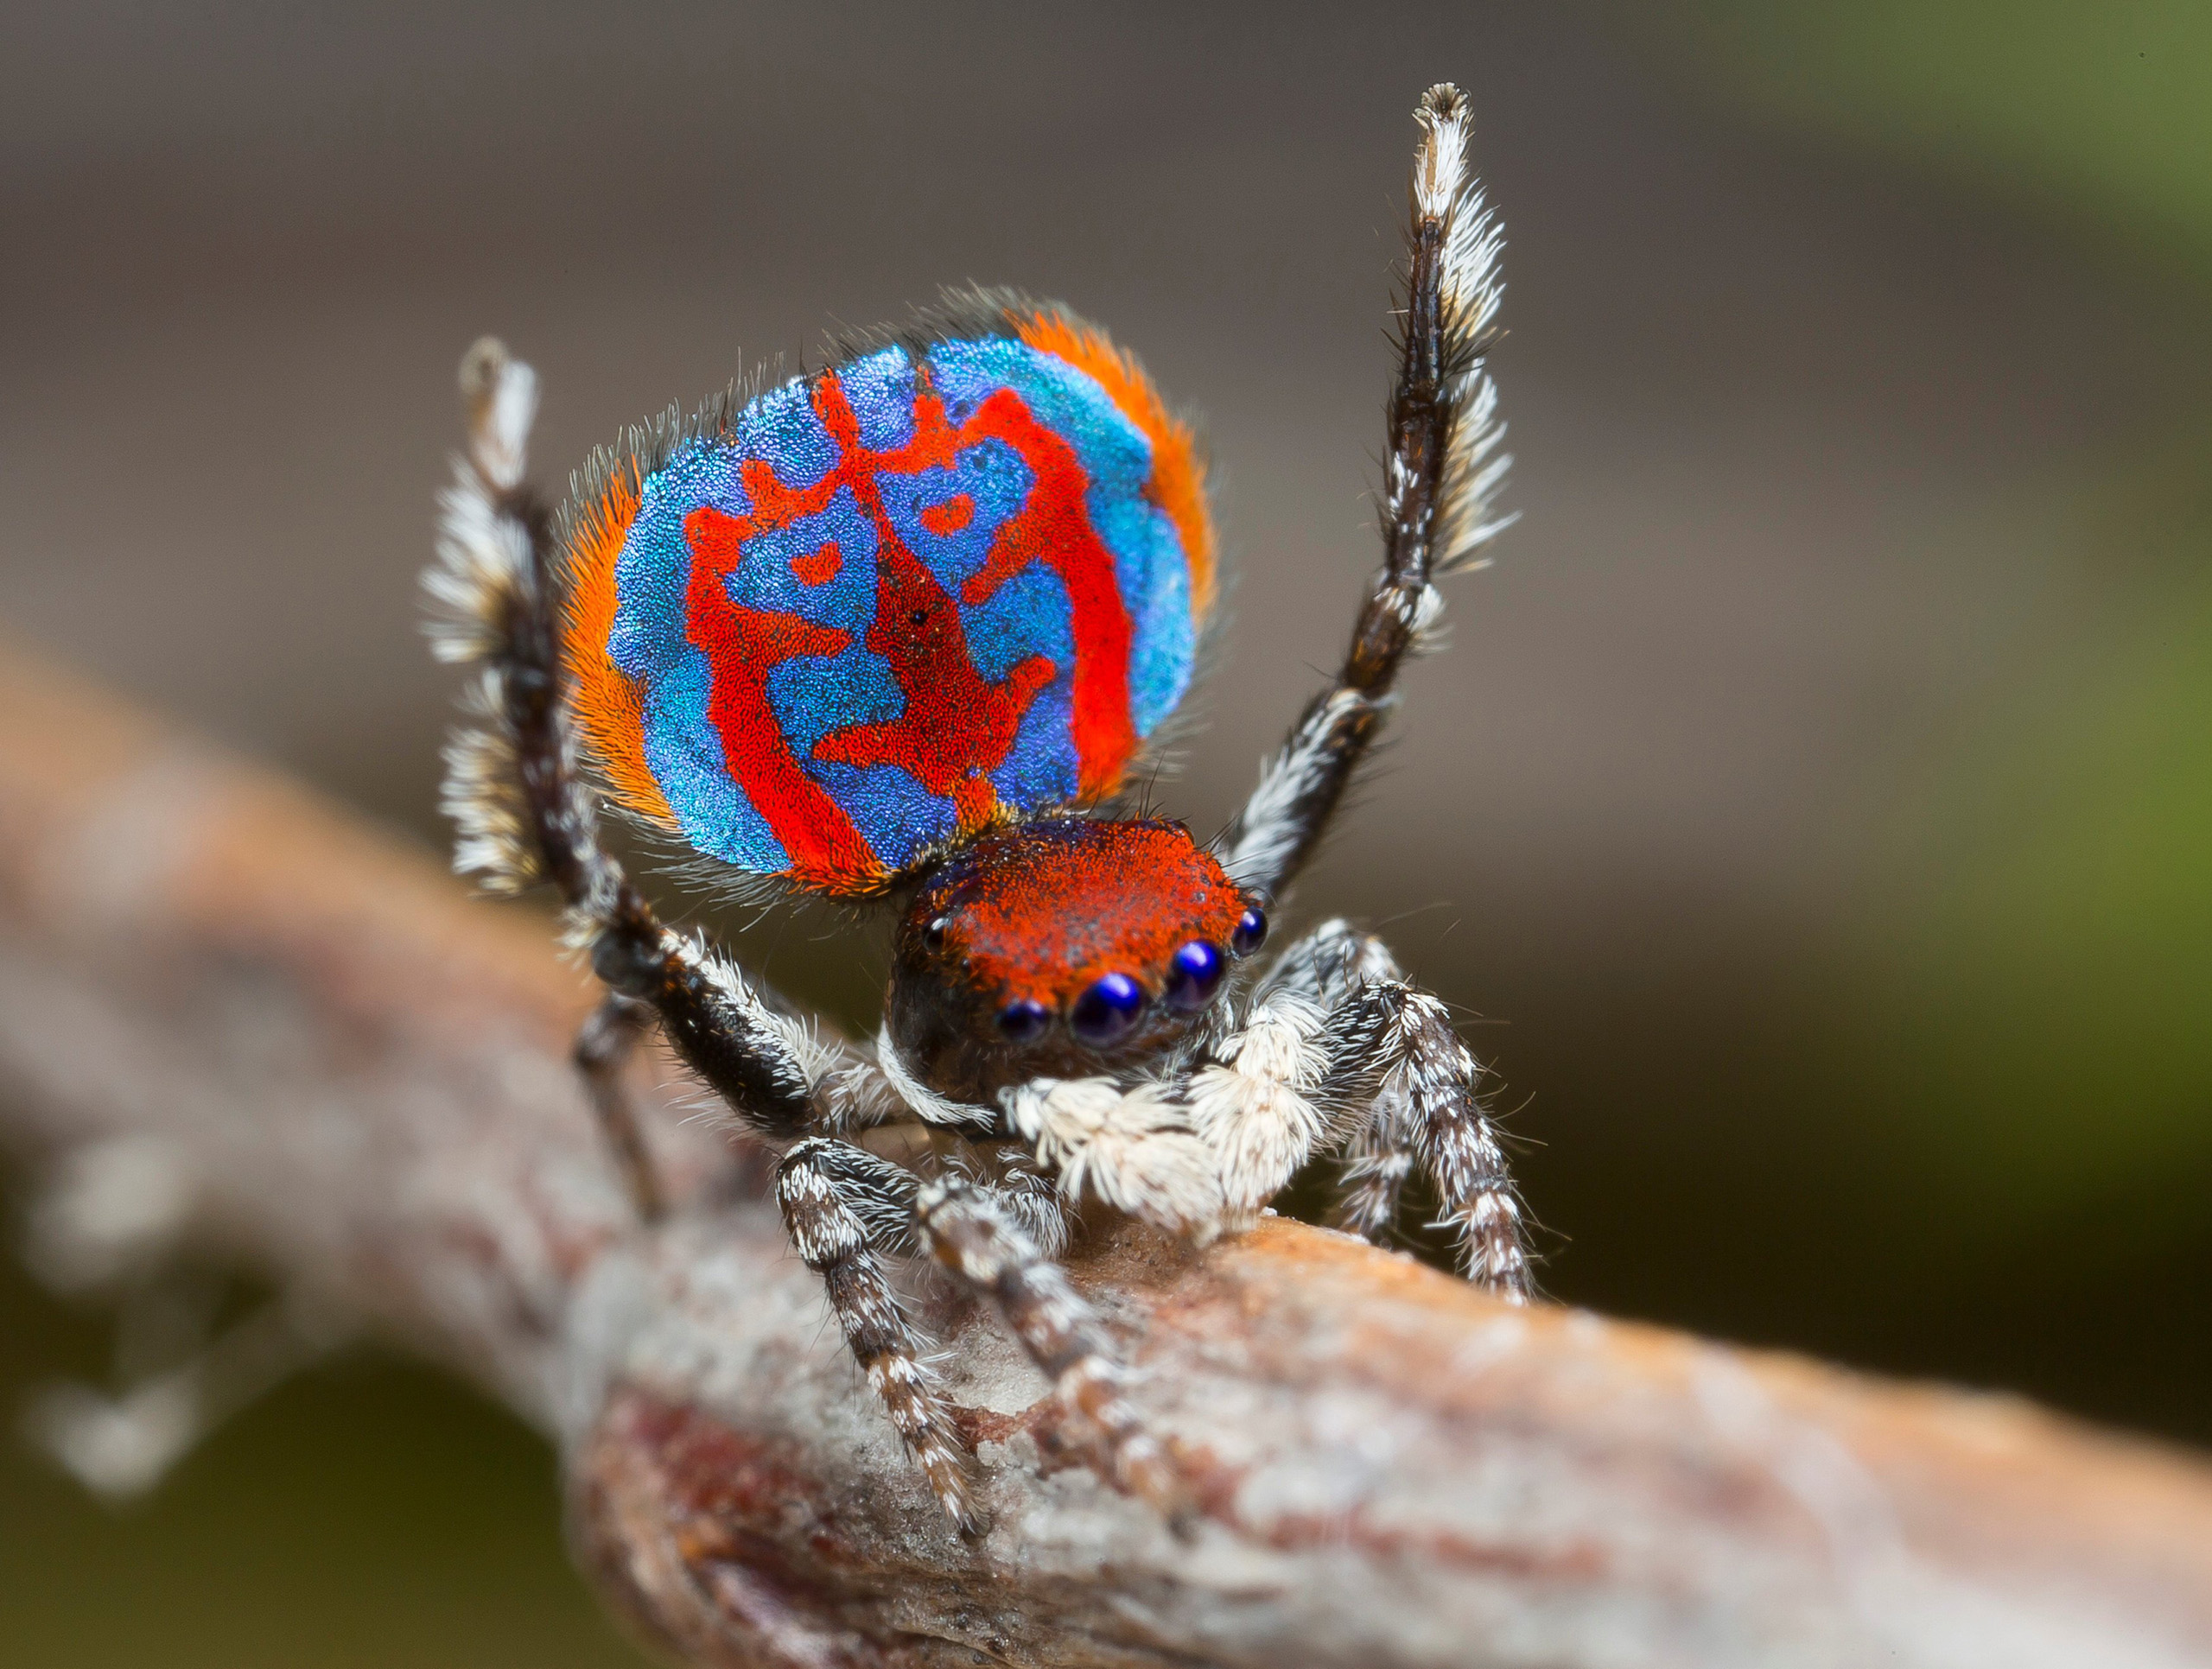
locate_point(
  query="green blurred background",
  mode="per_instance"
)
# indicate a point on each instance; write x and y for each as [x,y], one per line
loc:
[1815,807]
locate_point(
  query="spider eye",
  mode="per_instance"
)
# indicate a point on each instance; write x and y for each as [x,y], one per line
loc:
[933,935]
[1194,976]
[1024,1021]
[1251,931]
[1104,1013]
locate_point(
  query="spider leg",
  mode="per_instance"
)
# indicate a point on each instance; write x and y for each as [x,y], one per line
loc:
[1440,479]
[604,1045]
[1432,1108]
[525,814]
[972,1233]
[846,1210]
[1377,1160]
[1426,1110]
[1034,1202]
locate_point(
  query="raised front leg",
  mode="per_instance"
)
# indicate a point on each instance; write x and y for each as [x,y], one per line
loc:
[1439,477]
[525,816]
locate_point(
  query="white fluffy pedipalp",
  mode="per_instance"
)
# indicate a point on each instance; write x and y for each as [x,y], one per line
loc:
[1130,1148]
[1255,1110]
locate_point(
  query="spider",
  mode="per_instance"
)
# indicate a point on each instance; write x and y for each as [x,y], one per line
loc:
[904,630]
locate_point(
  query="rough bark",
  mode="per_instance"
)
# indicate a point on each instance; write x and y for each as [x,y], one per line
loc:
[364,1076]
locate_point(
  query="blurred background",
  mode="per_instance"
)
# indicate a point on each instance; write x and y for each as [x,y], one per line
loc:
[1813,815]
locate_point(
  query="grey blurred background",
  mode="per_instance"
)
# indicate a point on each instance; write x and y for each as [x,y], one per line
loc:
[1814,813]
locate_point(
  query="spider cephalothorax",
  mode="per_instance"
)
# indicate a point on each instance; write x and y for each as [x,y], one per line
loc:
[905,629]
[1061,948]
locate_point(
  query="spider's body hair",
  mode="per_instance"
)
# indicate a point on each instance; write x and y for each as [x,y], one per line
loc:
[1421,1108]
[925,1102]
[1032,1199]
[1195,1123]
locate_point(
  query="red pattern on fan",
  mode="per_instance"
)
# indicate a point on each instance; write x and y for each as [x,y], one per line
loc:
[955,728]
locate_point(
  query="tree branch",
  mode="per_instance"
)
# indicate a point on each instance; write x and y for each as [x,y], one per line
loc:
[364,1080]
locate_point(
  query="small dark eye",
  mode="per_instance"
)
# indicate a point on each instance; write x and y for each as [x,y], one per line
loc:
[1251,931]
[1104,1013]
[1194,976]
[933,935]
[1024,1021]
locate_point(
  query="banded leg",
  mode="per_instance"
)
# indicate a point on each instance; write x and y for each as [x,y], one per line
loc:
[972,1234]
[1440,1117]
[1426,1111]
[1377,1160]
[514,789]
[845,1210]
[1440,479]
[1325,968]
[1036,1205]
[603,1048]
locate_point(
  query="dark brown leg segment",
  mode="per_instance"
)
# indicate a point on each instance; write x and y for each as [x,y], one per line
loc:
[604,1047]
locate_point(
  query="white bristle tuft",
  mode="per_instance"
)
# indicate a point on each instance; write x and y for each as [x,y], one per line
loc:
[1441,165]
[491,836]
[501,393]
[1470,291]
[484,555]
[483,565]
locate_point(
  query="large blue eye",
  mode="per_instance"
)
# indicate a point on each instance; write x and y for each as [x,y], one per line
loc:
[1194,976]
[1251,932]
[1105,1013]
[1024,1021]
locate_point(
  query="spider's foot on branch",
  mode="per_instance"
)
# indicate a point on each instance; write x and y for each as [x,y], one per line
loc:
[970,1233]
[844,1207]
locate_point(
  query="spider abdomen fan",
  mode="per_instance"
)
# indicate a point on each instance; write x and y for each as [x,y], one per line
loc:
[952,581]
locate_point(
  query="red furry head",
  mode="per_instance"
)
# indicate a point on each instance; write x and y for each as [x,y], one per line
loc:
[1054,947]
